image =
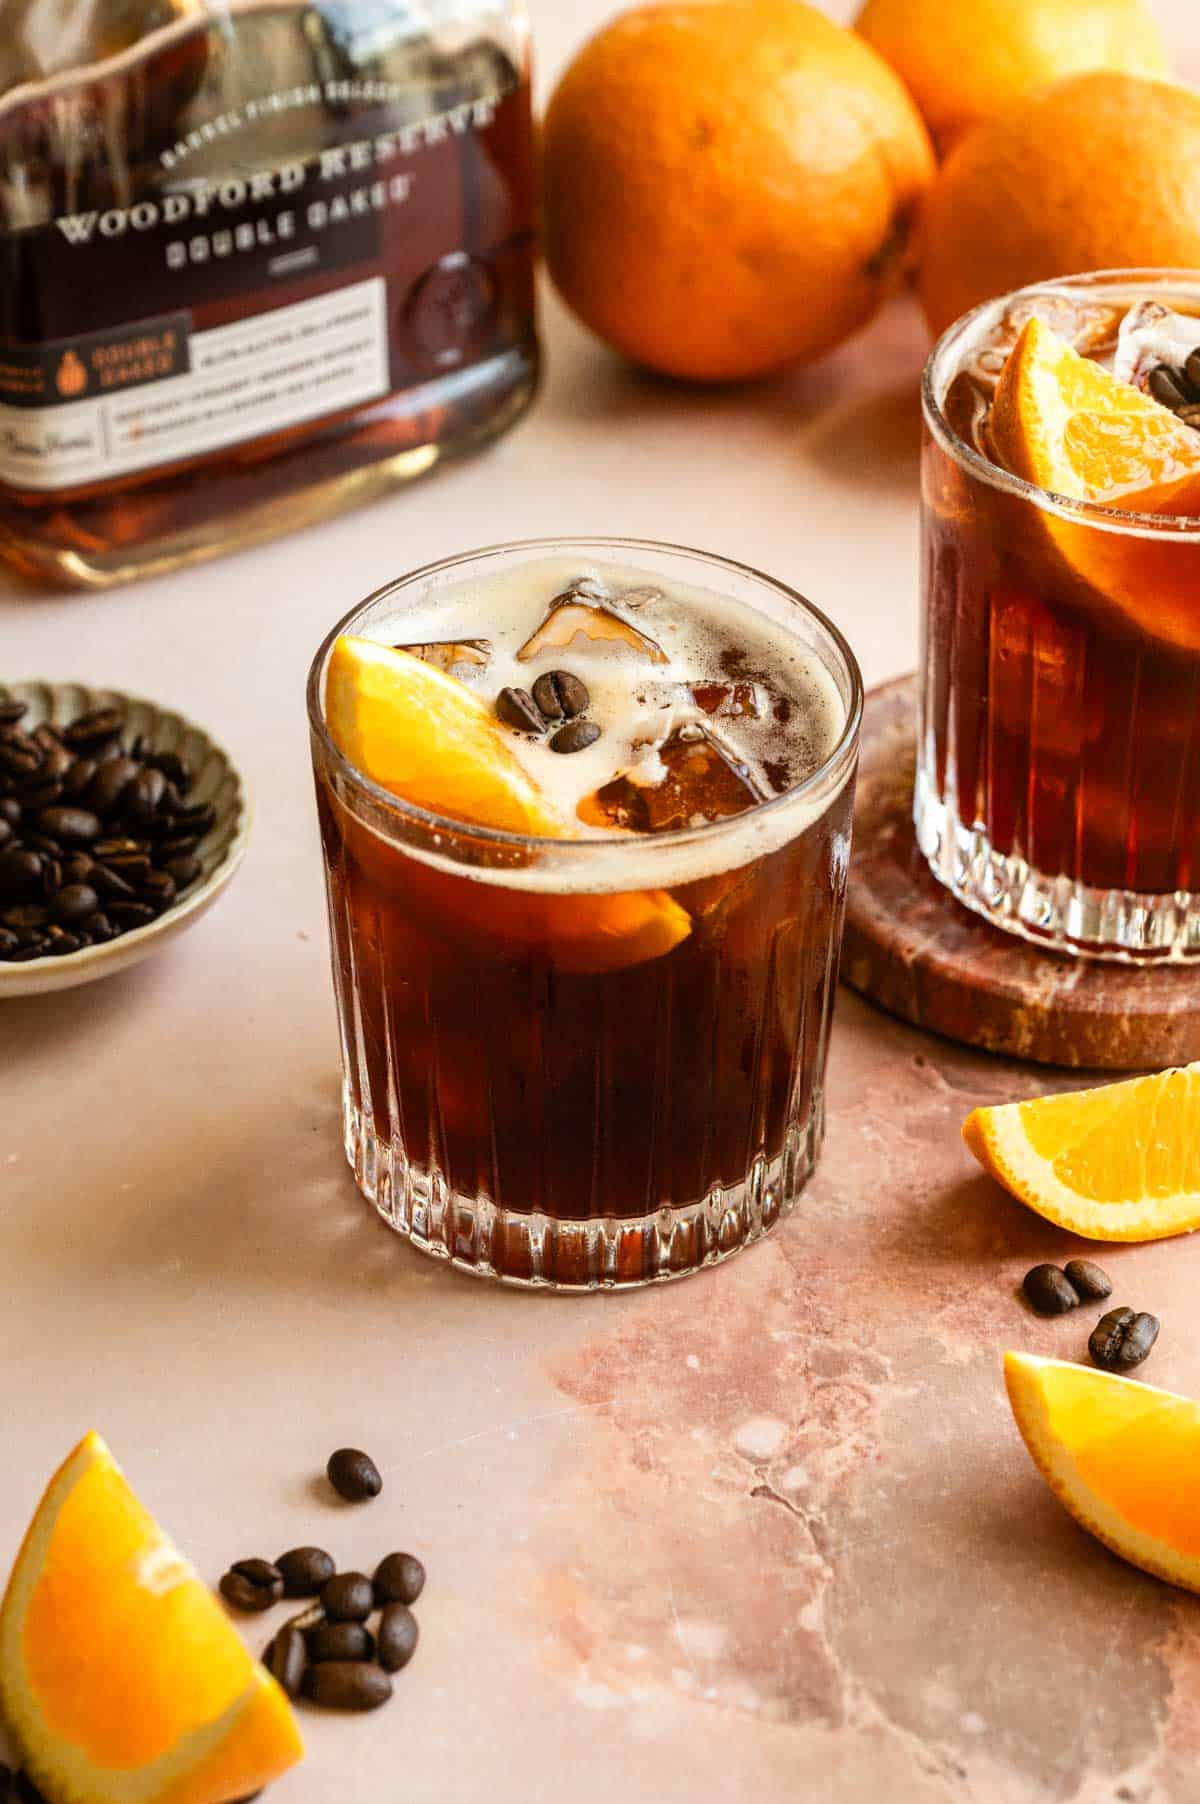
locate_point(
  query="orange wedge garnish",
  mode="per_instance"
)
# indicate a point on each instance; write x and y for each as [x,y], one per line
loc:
[428,739]
[1061,421]
[122,1680]
[1123,1457]
[1121,1162]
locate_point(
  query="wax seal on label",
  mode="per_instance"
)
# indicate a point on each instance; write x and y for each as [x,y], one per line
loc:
[449,309]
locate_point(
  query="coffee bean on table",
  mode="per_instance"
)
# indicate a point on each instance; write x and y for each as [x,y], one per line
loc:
[397,1637]
[1122,1339]
[252,1585]
[287,1657]
[347,1685]
[1049,1290]
[340,1641]
[348,1597]
[305,1570]
[354,1475]
[517,708]
[576,736]
[399,1579]
[1090,1280]
[559,695]
[71,826]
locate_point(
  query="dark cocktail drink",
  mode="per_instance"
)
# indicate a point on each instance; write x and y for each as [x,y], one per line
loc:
[586,840]
[1058,787]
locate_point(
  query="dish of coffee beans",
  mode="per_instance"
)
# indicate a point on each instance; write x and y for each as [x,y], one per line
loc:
[116,817]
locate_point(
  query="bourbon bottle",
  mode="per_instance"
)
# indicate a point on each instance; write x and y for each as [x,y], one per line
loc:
[261,262]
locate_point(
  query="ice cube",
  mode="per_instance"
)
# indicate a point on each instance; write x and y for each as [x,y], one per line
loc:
[1091,327]
[451,654]
[693,780]
[1152,337]
[730,701]
[602,630]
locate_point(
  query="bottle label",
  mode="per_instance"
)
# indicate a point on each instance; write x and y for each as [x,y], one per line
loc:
[202,253]
[114,403]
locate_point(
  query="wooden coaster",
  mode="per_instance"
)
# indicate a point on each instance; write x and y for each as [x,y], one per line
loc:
[921,955]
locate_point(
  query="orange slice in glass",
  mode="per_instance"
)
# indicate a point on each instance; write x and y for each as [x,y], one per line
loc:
[1121,1162]
[428,739]
[122,1680]
[1061,421]
[1123,1457]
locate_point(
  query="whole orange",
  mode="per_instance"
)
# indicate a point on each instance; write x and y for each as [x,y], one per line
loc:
[1099,171]
[730,185]
[966,60]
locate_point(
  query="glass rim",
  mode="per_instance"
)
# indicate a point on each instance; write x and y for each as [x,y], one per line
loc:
[1102,515]
[594,843]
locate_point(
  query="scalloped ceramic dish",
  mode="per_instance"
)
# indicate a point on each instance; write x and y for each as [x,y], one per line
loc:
[214,779]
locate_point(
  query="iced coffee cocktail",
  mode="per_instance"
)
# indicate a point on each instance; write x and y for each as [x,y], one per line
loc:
[1058,785]
[586,817]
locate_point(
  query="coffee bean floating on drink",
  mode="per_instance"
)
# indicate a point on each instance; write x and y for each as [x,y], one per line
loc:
[96,839]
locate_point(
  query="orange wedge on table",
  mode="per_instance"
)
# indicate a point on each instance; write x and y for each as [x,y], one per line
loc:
[1121,1162]
[1063,422]
[1123,1457]
[121,1679]
[427,738]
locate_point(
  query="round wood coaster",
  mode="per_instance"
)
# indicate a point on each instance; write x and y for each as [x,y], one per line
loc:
[921,955]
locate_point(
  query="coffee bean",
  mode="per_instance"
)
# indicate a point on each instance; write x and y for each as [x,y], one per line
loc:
[252,1585]
[172,767]
[286,1659]
[397,1637]
[305,1570]
[11,710]
[41,792]
[559,695]
[29,948]
[59,942]
[144,796]
[74,902]
[77,867]
[158,889]
[353,1475]
[110,783]
[11,811]
[184,869]
[576,736]
[1191,370]
[100,928]
[8,941]
[25,914]
[347,1597]
[400,1579]
[7,833]
[110,884]
[178,845]
[1164,384]
[20,872]
[340,1641]
[517,708]
[200,817]
[128,915]
[93,729]
[17,759]
[1089,1280]
[79,778]
[1122,1339]
[1049,1290]
[71,826]
[109,849]
[347,1685]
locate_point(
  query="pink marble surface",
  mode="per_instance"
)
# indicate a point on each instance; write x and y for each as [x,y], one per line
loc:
[769,1534]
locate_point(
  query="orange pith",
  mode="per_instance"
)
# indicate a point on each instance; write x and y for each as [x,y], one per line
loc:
[1121,1162]
[425,737]
[121,1679]
[1062,422]
[1122,1457]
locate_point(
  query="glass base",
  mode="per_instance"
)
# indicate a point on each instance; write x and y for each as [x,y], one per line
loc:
[1056,913]
[545,1252]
